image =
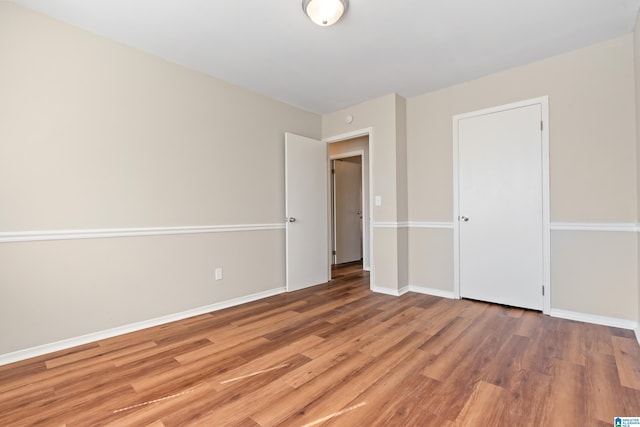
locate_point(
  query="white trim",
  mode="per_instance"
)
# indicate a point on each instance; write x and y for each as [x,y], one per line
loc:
[637,331]
[592,318]
[546,221]
[356,153]
[595,226]
[33,236]
[412,288]
[390,224]
[412,224]
[554,226]
[431,291]
[429,224]
[390,291]
[349,135]
[133,327]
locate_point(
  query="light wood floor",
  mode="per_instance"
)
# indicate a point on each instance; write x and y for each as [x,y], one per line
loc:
[337,354]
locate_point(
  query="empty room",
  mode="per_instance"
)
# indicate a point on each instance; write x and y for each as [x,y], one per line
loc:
[319,212]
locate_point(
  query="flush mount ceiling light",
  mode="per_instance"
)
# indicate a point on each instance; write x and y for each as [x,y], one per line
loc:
[325,12]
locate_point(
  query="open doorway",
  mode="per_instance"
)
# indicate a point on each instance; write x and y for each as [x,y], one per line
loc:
[346,210]
[350,233]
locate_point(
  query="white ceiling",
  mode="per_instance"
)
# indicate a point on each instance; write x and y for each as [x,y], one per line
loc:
[405,46]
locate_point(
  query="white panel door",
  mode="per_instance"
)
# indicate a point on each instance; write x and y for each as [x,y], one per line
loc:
[307,219]
[348,211]
[501,207]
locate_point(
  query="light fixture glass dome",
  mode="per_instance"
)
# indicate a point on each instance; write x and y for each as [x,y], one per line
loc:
[325,12]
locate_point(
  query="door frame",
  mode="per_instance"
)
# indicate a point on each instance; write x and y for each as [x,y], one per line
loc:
[546,233]
[363,206]
[344,137]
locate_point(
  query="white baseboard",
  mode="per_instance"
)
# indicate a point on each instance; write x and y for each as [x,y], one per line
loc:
[413,288]
[109,333]
[598,320]
[390,291]
[637,330]
[403,290]
[431,291]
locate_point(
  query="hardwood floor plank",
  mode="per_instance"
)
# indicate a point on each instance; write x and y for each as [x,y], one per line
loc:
[602,381]
[484,407]
[573,342]
[627,354]
[528,324]
[528,393]
[597,339]
[544,345]
[567,404]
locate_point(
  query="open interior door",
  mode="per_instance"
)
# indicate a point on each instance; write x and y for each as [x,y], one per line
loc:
[306,211]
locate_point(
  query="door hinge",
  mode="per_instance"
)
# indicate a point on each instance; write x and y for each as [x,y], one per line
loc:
[334,252]
[543,291]
[333,171]
[541,125]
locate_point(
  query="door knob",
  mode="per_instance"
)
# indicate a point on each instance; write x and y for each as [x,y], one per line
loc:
[464,218]
[290,219]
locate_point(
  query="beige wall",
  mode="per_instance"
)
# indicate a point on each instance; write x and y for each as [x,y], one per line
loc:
[431,258]
[592,162]
[594,273]
[95,135]
[402,191]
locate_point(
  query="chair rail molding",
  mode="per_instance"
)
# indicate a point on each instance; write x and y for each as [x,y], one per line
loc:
[34,236]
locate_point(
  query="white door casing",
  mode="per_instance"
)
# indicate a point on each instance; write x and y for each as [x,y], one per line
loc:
[306,212]
[348,211]
[368,187]
[501,205]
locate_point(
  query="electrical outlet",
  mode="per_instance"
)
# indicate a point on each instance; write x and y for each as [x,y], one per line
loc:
[219,273]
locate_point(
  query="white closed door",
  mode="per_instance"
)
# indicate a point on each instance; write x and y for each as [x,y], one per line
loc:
[306,211]
[501,207]
[348,210]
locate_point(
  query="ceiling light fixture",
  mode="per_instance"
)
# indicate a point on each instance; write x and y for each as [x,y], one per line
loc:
[325,12]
